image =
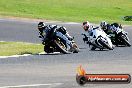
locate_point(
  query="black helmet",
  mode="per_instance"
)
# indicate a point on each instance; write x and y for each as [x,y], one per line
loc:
[41,25]
[103,24]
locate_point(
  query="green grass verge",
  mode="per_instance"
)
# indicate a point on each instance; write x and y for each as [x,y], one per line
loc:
[69,10]
[19,48]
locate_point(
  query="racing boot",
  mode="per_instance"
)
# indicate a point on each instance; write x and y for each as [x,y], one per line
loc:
[93,48]
[48,49]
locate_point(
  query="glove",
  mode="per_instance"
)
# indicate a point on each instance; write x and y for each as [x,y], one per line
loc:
[85,39]
[43,43]
[40,36]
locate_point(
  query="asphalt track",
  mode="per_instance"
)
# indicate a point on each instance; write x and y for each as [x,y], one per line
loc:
[58,70]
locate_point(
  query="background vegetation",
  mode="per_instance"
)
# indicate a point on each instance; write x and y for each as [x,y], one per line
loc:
[69,10]
[19,48]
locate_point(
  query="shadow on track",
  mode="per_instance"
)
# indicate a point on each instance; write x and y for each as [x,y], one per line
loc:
[99,50]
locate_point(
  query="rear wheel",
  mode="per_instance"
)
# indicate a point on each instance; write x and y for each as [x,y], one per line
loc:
[61,45]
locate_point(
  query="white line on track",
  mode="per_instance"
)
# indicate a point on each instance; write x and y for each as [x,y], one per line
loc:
[15,56]
[33,85]
[25,55]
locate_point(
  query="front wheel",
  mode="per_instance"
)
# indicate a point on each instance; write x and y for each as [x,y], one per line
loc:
[75,48]
[126,42]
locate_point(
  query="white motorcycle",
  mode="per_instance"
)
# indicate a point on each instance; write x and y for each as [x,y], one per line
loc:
[98,39]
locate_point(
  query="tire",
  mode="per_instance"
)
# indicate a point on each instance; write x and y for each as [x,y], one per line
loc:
[105,45]
[126,42]
[75,48]
[61,46]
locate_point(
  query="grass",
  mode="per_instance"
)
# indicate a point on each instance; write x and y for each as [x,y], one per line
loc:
[69,10]
[19,48]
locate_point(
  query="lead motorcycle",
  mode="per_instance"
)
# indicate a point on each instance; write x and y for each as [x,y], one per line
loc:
[119,37]
[98,39]
[61,44]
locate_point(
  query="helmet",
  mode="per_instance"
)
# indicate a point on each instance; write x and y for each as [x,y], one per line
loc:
[41,25]
[86,25]
[103,24]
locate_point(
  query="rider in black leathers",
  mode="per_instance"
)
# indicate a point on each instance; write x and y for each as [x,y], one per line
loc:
[45,33]
[110,29]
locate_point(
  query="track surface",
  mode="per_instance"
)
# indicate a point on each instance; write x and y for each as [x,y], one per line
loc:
[58,70]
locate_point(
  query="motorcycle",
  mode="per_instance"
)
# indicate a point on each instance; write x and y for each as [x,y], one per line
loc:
[98,39]
[58,42]
[119,37]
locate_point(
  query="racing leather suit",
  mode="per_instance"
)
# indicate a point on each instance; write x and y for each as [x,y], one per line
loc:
[111,29]
[60,31]
[87,35]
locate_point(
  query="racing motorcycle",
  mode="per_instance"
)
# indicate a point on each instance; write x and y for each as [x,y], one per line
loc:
[98,39]
[58,42]
[119,37]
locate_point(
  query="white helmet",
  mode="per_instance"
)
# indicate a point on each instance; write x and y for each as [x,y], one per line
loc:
[86,25]
[103,24]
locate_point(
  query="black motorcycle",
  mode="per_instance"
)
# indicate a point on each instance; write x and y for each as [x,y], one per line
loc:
[120,37]
[59,44]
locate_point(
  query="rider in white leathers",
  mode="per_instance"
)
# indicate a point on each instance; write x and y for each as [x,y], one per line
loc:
[94,34]
[88,29]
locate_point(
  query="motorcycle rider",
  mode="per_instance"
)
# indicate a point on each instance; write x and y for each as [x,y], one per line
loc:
[88,31]
[45,33]
[110,29]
